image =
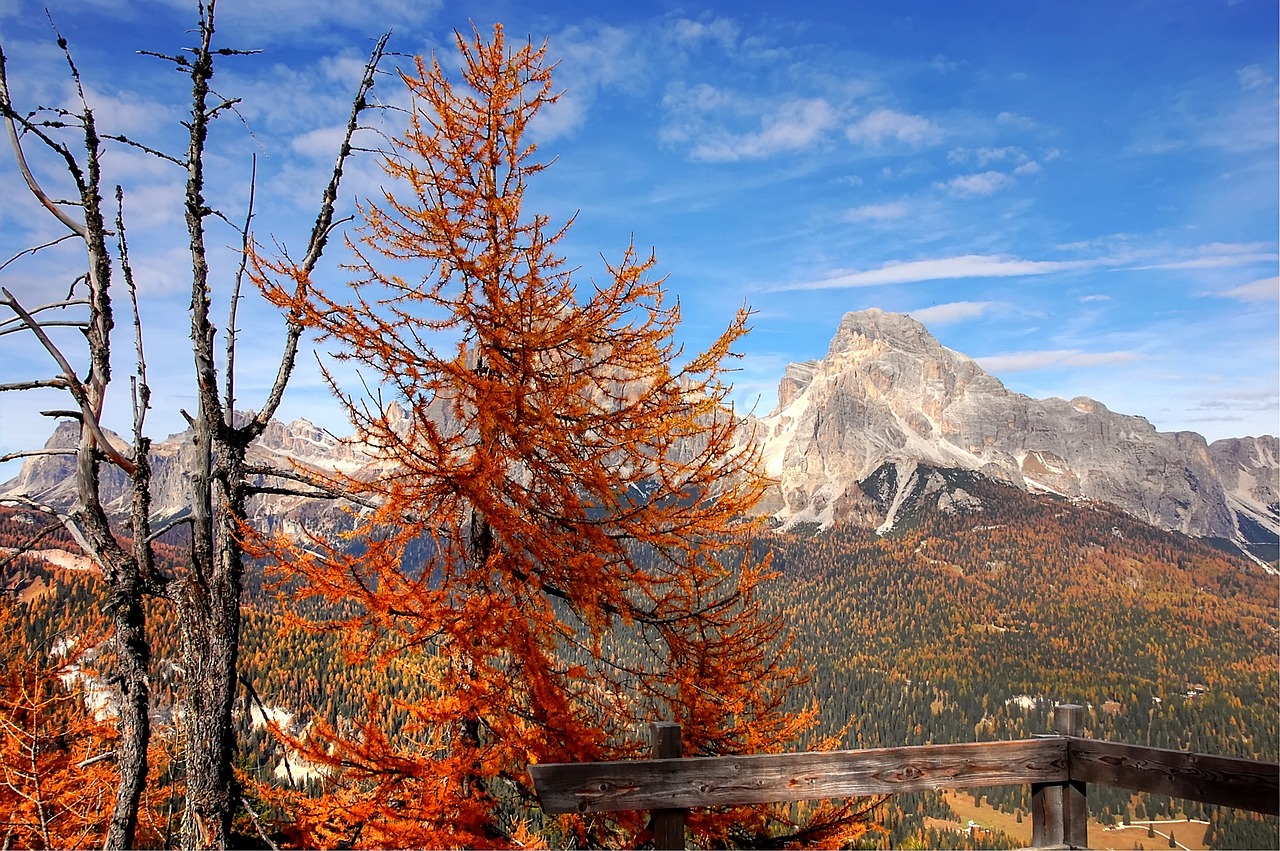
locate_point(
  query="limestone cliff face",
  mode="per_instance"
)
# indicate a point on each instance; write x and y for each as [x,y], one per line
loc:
[51,479]
[888,392]
[1247,468]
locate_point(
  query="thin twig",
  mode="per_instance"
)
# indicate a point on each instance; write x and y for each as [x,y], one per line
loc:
[77,389]
[245,248]
[253,817]
[6,107]
[319,239]
[59,383]
[36,248]
[35,453]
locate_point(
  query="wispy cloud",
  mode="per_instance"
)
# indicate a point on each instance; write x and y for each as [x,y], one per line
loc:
[1220,255]
[722,31]
[1264,289]
[1253,77]
[887,125]
[878,212]
[1012,119]
[956,311]
[977,185]
[592,59]
[1025,361]
[793,125]
[942,269]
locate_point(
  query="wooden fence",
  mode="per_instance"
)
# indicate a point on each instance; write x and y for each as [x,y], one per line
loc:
[1058,768]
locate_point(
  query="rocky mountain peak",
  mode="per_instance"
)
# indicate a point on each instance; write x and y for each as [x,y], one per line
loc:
[889,393]
[888,412]
[862,329]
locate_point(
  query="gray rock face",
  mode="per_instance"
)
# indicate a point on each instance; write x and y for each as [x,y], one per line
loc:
[888,392]
[1246,467]
[51,479]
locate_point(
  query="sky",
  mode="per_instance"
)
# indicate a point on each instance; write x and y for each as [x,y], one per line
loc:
[1081,196]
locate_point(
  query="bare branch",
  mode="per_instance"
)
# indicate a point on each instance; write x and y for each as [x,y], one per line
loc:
[245,247]
[69,374]
[320,237]
[62,323]
[59,383]
[135,144]
[88,415]
[68,521]
[29,545]
[320,486]
[35,248]
[257,824]
[6,108]
[171,525]
[35,453]
[141,391]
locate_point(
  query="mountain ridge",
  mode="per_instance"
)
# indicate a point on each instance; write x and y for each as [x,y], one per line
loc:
[886,393]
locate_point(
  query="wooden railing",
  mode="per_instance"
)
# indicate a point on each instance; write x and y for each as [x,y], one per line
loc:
[1058,768]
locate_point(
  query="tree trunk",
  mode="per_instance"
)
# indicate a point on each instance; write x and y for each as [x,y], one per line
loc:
[209,604]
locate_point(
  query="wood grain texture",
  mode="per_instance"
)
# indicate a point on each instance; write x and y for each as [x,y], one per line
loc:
[720,781]
[668,825]
[1224,780]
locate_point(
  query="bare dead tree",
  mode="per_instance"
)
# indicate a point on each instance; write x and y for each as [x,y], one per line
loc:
[127,572]
[207,592]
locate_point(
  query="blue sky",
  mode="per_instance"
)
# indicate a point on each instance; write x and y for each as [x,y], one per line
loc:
[1082,196]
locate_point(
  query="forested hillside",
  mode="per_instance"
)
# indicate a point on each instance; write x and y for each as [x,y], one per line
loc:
[971,626]
[955,627]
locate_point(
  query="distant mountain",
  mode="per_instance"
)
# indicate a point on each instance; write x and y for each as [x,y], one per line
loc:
[851,430]
[857,437]
[51,478]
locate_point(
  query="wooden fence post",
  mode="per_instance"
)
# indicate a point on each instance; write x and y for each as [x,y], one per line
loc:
[1059,811]
[668,825]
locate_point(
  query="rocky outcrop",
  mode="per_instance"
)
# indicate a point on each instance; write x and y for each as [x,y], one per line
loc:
[858,436]
[51,478]
[889,393]
[1246,467]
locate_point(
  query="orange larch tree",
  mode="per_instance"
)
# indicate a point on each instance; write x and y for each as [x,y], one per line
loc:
[558,538]
[57,767]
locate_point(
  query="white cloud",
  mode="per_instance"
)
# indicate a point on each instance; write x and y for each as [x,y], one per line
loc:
[1265,289]
[887,125]
[943,269]
[1029,167]
[1086,299]
[1253,77]
[878,212]
[976,185]
[590,61]
[1012,119]
[722,31]
[943,65]
[1220,255]
[1026,361]
[957,311]
[321,143]
[1007,153]
[253,24]
[121,114]
[795,125]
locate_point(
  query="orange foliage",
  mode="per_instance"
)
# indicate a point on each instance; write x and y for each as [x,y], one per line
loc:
[553,480]
[52,789]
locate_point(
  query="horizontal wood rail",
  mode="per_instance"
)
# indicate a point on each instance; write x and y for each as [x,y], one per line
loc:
[1057,767]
